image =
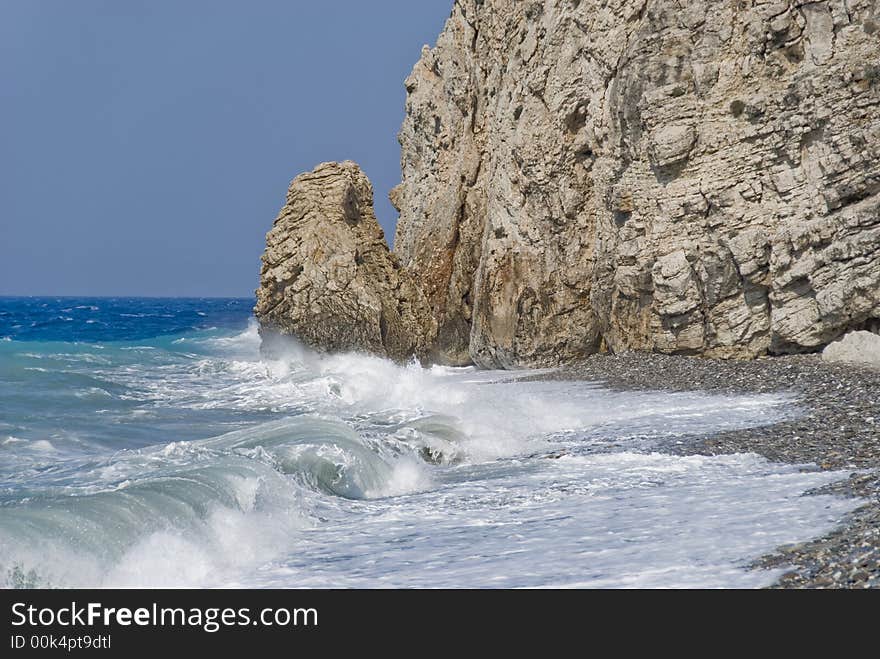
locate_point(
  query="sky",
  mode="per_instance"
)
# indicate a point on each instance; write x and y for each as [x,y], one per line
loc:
[147,145]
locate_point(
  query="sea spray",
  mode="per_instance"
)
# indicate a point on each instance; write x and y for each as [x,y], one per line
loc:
[191,459]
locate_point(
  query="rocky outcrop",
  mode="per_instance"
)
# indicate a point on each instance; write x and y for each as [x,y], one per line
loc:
[683,177]
[328,277]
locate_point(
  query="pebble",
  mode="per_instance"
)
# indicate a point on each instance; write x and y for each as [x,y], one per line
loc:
[837,430]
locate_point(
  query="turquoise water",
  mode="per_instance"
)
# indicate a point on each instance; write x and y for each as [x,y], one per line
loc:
[89,374]
[150,443]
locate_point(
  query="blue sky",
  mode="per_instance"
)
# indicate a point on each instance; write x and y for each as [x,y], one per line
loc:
[146,145]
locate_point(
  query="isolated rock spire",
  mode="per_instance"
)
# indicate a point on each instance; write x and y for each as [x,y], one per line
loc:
[328,277]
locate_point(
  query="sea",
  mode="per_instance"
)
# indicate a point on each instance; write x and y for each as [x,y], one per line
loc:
[151,443]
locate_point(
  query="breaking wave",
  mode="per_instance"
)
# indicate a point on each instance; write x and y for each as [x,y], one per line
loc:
[190,459]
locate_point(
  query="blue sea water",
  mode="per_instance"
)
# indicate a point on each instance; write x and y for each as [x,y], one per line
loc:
[112,319]
[149,442]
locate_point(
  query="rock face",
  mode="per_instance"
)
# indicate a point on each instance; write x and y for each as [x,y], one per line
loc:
[328,277]
[583,175]
[861,348]
[684,177]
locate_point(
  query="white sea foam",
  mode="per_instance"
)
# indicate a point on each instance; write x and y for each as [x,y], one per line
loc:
[42,445]
[184,517]
[621,520]
[486,414]
[232,541]
[349,470]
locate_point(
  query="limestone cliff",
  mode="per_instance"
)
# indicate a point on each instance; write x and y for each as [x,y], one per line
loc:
[678,176]
[328,277]
[696,177]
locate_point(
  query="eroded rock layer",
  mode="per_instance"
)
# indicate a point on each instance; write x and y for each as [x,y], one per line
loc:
[686,177]
[584,175]
[328,277]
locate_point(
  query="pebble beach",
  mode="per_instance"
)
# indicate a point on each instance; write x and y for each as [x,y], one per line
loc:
[837,428]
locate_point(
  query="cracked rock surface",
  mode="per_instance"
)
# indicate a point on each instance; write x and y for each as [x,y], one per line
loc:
[328,277]
[581,176]
[682,177]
